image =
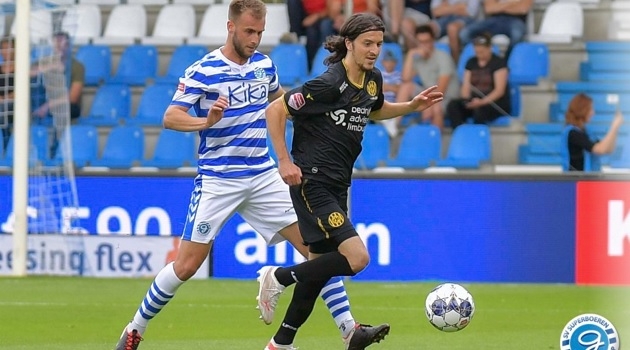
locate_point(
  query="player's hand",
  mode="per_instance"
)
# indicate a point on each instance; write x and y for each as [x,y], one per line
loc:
[216,111]
[291,174]
[426,98]
[474,103]
[617,120]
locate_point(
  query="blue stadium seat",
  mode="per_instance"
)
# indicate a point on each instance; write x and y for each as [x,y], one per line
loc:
[528,62]
[292,63]
[182,58]
[396,50]
[153,103]
[467,53]
[419,147]
[375,147]
[111,103]
[542,144]
[173,149]
[123,148]
[83,145]
[97,62]
[621,158]
[317,66]
[443,46]
[137,64]
[470,145]
[39,147]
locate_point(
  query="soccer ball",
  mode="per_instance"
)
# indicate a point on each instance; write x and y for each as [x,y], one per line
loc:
[449,307]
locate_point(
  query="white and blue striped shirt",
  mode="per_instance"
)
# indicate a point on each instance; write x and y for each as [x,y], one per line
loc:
[236,146]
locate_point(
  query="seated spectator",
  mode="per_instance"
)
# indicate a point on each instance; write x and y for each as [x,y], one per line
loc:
[309,18]
[580,112]
[484,91]
[403,17]
[74,72]
[391,84]
[450,16]
[431,67]
[7,76]
[507,17]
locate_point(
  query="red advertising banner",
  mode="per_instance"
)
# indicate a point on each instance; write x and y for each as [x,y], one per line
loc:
[603,233]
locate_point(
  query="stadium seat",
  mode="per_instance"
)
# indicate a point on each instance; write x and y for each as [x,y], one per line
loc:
[39,147]
[96,60]
[126,24]
[41,26]
[528,62]
[317,66]
[396,50]
[83,22]
[621,159]
[169,32]
[182,58]
[470,145]
[149,2]
[561,22]
[292,63]
[215,16]
[100,2]
[276,25]
[153,103]
[83,145]
[123,148]
[375,147]
[467,53]
[173,149]
[443,46]
[111,103]
[137,64]
[420,146]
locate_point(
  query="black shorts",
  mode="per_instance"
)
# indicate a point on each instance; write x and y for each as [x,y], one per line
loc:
[322,213]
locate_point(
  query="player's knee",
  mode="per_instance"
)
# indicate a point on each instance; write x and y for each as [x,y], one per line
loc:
[359,260]
[185,268]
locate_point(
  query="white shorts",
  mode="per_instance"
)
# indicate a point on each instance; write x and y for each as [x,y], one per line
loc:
[263,201]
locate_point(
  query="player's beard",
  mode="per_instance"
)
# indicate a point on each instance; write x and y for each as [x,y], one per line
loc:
[240,49]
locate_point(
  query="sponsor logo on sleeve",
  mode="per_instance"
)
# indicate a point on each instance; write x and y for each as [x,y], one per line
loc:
[296,101]
[181,87]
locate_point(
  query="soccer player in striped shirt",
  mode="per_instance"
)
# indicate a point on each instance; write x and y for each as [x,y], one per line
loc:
[230,88]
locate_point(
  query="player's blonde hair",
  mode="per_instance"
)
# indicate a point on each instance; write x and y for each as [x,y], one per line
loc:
[257,8]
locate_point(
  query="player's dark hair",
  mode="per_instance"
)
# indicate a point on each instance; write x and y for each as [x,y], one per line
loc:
[257,8]
[354,26]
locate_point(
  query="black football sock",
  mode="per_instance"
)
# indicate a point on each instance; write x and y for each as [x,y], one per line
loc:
[304,296]
[321,268]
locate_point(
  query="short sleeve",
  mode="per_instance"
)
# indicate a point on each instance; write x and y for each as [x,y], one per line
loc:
[190,88]
[581,140]
[314,97]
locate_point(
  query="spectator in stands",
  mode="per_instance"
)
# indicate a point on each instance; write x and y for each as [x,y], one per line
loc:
[450,16]
[431,67]
[74,72]
[484,91]
[7,70]
[402,18]
[507,17]
[336,10]
[391,84]
[310,18]
[579,113]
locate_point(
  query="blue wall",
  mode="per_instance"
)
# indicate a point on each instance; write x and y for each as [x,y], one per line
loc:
[464,230]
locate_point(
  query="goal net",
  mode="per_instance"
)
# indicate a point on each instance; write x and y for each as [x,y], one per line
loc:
[52,194]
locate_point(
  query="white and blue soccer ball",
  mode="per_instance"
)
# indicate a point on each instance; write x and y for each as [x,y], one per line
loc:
[449,307]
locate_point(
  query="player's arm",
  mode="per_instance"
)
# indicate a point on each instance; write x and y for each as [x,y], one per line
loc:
[422,101]
[276,115]
[276,94]
[177,118]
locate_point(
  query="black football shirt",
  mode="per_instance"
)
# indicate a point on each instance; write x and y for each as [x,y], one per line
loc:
[330,114]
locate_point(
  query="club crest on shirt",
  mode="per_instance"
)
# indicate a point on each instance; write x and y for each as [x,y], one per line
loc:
[296,101]
[259,73]
[371,88]
[203,228]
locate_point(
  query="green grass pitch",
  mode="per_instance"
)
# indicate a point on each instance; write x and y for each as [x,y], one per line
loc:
[85,313]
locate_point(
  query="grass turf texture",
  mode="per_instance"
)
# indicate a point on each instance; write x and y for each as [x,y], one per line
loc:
[84,313]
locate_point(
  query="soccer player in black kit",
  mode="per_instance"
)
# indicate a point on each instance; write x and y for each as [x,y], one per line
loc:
[330,113]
